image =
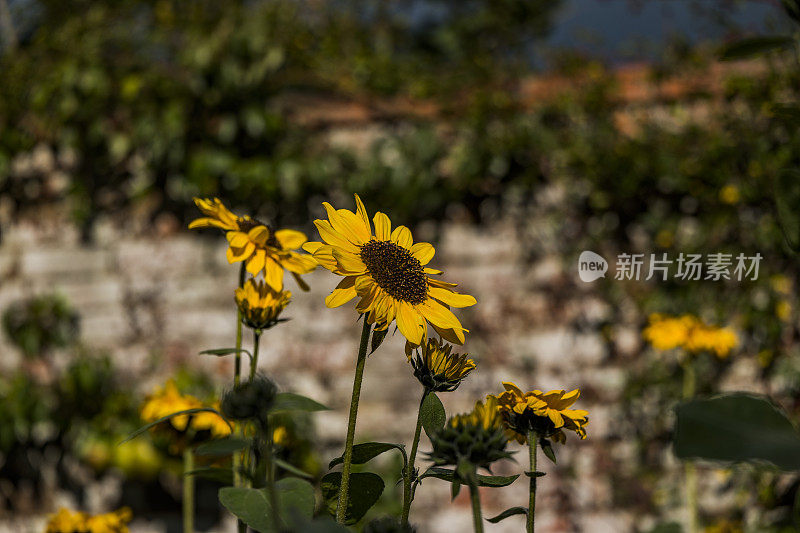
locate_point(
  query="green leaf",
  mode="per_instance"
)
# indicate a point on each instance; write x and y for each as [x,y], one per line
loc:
[547,448]
[455,488]
[496,481]
[365,490]
[221,352]
[754,46]
[787,203]
[289,401]
[483,481]
[224,446]
[432,414]
[291,468]
[535,474]
[736,427]
[377,339]
[369,450]
[508,512]
[295,498]
[222,475]
[165,418]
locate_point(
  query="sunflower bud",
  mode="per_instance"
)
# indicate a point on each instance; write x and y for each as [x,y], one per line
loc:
[260,305]
[251,400]
[477,438]
[436,368]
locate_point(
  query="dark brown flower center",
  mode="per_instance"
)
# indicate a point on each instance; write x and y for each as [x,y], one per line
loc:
[248,223]
[395,271]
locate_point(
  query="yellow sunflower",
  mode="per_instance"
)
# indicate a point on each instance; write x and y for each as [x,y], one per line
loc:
[257,244]
[168,400]
[387,271]
[437,368]
[546,413]
[260,305]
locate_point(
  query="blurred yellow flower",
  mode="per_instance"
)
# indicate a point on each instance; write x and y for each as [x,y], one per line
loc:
[168,400]
[259,304]
[436,368]
[257,244]
[781,284]
[783,310]
[729,194]
[690,333]
[724,526]
[546,413]
[280,436]
[387,271]
[66,521]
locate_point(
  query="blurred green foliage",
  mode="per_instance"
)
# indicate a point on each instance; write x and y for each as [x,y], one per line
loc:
[40,324]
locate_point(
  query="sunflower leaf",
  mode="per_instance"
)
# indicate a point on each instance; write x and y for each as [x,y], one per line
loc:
[496,481]
[508,512]
[367,451]
[222,475]
[547,448]
[221,352]
[295,498]
[365,490]
[535,474]
[432,414]
[292,469]
[165,418]
[222,446]
[736,427]
[289,401]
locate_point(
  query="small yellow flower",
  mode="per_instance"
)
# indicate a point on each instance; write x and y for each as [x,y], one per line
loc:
[691,334]
[546,413]
[257,244]
[387,271]
[729,194]
[436,368]
[280,436]
[260,304]
[168,400]
[783,310]
[66,521]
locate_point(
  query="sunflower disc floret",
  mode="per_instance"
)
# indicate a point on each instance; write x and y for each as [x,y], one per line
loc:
[477,437]
[437,368]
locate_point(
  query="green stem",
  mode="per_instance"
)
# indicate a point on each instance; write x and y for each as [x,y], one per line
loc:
[533,441]
[690,471]
[341,507]
[188,490]
[236,460]
[409,473]
[254,362]
[269,479]
[477,518]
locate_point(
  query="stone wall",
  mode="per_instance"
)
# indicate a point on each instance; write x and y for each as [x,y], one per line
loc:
[155,301]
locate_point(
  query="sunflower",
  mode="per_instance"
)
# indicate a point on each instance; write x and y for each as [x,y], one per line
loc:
[546,413]
[257,244]
[437,369]
[477,437]
[387,271]
[66,521]
[260,305]
[168,400]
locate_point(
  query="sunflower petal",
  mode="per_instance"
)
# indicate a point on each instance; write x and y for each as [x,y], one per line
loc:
[451,298]
[402,236]
[290,239]
[423,252]
[383,226]
[273,274]
[410,324]
[343,293]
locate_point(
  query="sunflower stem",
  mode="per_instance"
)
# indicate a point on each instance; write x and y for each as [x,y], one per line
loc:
[689,468]
[477,517]
[254,362]
[188,490]
[409,473]
[533,441]
[236,459]
[344,489]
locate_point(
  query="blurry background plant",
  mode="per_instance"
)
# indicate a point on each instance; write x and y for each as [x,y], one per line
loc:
[125,110]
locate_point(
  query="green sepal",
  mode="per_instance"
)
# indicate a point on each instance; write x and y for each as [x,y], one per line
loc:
[508,512]
[547,448]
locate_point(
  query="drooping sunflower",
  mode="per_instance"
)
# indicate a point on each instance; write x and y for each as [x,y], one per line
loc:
[386,269]
[257,244]
[260,305]
[546,413]
[437,368]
